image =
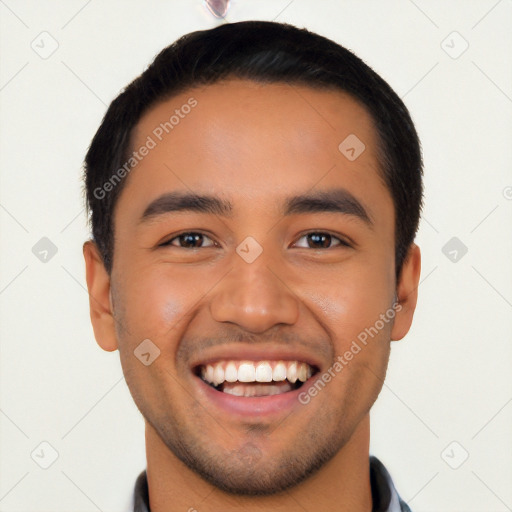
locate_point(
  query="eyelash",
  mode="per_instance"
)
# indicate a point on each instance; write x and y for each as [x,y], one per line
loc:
[342,243]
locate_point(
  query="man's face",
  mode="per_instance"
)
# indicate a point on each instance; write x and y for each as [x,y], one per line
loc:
[304,285]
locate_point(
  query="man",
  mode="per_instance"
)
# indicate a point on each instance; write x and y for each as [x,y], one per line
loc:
[254,198]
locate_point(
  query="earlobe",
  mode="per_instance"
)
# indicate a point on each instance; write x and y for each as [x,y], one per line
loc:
[407,293]
[100,298]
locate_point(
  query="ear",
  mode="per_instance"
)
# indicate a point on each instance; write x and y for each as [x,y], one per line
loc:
[100,303]
[407,293]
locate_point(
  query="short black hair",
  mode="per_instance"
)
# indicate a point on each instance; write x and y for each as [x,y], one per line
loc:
[265,52]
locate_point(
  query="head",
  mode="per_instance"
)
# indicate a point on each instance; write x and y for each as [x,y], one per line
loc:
[254,195]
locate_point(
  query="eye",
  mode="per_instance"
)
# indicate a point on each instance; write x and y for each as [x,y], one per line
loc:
[320,240]
[189,240]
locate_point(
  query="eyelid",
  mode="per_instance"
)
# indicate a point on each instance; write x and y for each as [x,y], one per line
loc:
[344,241]
[167,242]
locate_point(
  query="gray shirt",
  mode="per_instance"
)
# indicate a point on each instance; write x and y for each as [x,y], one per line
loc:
[384,495]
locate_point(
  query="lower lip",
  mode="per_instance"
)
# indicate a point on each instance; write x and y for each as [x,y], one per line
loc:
[253,406]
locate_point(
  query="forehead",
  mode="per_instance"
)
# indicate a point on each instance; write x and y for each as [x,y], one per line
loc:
[255,142]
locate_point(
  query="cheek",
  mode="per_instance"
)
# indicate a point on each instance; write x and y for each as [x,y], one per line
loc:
[351,300]
[350,310]
[153,304]
[347,316]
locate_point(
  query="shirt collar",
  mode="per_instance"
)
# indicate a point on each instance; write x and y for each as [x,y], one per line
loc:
[384,495]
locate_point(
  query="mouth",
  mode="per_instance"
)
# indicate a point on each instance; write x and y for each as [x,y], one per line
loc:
[252,379]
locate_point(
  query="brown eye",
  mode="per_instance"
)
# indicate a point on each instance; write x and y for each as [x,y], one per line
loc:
[321,240]
[190,240]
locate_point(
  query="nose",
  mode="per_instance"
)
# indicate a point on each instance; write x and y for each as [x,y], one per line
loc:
[255,297]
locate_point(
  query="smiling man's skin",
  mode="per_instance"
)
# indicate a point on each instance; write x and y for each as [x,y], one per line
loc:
[254,146]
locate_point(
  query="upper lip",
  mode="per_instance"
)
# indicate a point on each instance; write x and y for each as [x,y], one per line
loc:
[239,352]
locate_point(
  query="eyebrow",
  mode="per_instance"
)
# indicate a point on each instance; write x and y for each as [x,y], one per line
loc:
[182,201]
[337,200]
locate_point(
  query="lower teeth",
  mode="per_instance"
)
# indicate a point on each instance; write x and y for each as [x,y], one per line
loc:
[257,388]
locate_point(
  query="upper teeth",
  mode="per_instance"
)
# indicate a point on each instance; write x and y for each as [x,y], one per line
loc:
[255,371]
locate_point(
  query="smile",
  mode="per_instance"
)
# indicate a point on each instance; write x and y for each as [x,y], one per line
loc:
[255,378]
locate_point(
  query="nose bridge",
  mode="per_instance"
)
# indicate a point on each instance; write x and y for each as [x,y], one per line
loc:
[253,294]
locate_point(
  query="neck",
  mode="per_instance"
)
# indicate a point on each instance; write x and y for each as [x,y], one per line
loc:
[341,485]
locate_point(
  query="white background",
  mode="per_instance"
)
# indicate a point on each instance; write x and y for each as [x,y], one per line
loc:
[448,380]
